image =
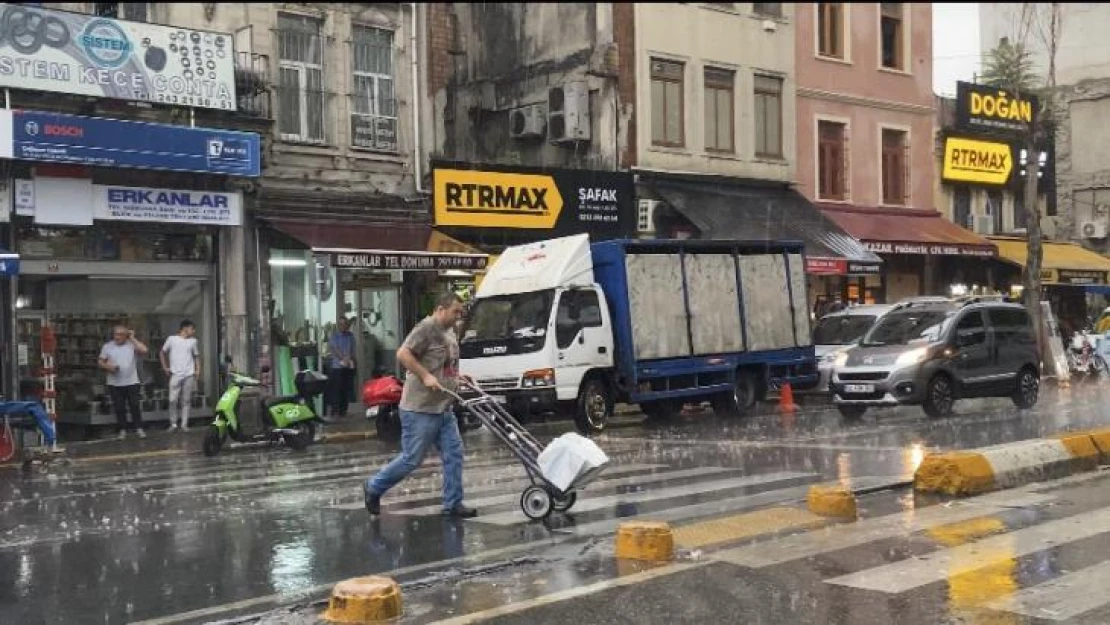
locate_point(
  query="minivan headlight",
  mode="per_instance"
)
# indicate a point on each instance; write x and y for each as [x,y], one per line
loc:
[912,357]
[841,358]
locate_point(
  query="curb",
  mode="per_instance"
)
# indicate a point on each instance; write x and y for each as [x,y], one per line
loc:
[977,471]
[832,500]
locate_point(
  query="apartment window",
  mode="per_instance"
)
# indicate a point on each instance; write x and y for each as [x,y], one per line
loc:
[1019,210]
[961,208]
[895,167]
[719,109]
[374,108]
[830,29]
[832,160]
[772,9]
[667,113]
[768,116]
[994,209]
[133,11]
[301,78]
[893,32]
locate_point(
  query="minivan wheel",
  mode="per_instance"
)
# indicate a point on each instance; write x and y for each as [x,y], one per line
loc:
[851,411]
[939,397]
[1028,389]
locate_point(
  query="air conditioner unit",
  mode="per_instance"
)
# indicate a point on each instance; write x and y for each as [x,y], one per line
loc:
[645,216]
[1093,229]
[568,113]
[527,122]
[984,224]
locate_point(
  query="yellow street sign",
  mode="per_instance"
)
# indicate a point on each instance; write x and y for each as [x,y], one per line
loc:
[495,200]
[984,162]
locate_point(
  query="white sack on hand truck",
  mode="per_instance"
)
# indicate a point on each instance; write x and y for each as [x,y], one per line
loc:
[572,460]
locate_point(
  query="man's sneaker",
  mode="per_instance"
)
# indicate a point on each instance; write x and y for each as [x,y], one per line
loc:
[184,427]
[374,504]
[123,435]
[141,433]
[172,428]
[461,512]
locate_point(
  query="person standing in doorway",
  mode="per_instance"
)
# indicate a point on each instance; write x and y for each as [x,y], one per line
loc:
[341,367]
[118,359]
[181,362]
[430,353]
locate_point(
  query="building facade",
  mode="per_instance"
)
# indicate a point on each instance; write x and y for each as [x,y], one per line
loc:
[865,145]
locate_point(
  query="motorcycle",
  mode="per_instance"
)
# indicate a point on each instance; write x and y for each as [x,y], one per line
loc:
[1083,356]
[381,395]
[289,420]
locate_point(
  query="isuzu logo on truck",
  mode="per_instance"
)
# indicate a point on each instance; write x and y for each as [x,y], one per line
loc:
[496,199]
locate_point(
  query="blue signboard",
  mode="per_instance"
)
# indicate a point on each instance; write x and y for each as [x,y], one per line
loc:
[9,264]
[101,142]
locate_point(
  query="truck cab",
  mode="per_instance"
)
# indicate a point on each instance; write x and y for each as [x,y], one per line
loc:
[538,328]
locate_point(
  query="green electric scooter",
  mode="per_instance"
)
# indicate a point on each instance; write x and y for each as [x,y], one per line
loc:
[289,420]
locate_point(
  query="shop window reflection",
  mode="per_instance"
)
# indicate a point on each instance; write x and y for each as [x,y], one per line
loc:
[116,242]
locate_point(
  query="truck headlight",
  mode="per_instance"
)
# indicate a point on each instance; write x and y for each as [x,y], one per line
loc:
[538,378]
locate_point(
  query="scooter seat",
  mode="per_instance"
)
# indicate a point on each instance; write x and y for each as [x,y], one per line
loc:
[270,402]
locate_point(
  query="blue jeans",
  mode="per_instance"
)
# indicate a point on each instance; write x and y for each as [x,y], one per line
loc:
[419,431]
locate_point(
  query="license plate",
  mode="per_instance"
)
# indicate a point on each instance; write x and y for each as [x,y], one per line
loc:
[501,399]
[859,388]
[373,411]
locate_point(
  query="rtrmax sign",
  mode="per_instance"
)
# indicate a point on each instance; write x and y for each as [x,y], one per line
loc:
[990,109]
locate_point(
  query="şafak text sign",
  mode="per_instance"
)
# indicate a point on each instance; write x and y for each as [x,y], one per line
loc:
[982,162]
[990,109]
[560,201]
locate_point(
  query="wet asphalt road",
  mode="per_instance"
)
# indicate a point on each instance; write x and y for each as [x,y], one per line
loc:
[192,539]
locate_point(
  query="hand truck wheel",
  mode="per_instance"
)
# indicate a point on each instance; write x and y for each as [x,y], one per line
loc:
[562,504]
[536,503]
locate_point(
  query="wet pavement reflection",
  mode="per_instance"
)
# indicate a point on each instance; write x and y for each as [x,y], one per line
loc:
[136,539]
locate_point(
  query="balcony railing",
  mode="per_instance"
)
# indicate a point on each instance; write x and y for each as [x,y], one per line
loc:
[253,87]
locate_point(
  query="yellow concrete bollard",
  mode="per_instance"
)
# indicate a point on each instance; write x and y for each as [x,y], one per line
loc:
[645,540]
[832,500]
[364,600]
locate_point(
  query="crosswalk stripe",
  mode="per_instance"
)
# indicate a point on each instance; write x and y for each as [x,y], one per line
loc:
[1061,599]
[906,575]
[514,496]
[741,526]
[867,531]
[586,504]
[469,489]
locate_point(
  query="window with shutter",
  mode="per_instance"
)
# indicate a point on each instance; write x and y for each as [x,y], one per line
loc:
[831,160]
[895,175]
[719,108]
[830,29]
[667,107]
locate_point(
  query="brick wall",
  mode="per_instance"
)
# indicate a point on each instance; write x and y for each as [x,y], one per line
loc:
[441,40]
[624,34]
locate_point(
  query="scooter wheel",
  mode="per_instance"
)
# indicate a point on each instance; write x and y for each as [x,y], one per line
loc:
[306,433]
[213,440]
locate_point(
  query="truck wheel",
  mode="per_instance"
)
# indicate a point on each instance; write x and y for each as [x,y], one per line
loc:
[594,407]
[741,401]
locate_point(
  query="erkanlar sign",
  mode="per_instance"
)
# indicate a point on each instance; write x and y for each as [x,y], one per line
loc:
[62,52]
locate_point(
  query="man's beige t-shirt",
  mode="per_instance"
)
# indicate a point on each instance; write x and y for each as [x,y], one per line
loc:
[438,352]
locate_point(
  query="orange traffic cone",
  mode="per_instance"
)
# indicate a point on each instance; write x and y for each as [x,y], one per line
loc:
[786,400]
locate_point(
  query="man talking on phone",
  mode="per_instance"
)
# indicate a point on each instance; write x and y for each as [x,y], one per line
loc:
[430,354]
[118,359]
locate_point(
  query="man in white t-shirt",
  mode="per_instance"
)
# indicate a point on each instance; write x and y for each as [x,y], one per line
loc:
[181,362]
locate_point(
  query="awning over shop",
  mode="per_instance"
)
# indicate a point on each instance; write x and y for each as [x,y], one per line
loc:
[753,213]
[907,231]
[1062,263]
[409,247]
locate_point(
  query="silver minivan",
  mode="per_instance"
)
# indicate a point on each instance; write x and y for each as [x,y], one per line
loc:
[836,332]
[933,353]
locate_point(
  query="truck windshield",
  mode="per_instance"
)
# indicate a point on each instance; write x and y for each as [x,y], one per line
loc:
[507,317]
[841,329]
[901,328]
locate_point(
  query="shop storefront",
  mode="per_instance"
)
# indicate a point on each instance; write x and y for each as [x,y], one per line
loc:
[1074,279]
[840,269]
[922,253]
[103,243]
[383,278]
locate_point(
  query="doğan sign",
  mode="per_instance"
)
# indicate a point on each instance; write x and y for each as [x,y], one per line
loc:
[990,109]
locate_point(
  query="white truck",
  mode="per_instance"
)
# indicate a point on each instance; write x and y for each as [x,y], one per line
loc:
[566,326]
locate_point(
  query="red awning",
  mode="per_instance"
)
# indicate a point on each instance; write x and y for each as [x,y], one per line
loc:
[907,231]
